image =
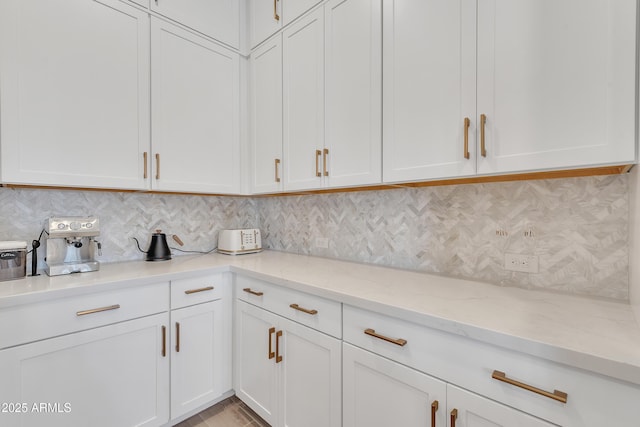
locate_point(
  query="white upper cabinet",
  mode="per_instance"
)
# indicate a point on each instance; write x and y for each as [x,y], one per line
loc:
[353,92]
[219,19]
[557,83]
[195,112]
[429,88]
[266,116]
[74,93]
[303,99]
[556,86]
[268,16]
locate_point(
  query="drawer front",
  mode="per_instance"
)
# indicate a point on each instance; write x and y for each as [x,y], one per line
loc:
[592,400]
[32,322]
[196,290]
[315,312]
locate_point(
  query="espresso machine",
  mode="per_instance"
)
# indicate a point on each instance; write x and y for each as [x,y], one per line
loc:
[70,246]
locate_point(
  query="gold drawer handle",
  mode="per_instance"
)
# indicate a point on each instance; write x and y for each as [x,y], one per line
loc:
[302,309]
[277,166]
[397,341]
[278,355]
[454,417]
[164,341]
[97,310]
[252,292]
[194,291]
[177,337]
[467,123]
[560,396]
[271,332]
[434,409]
[483,147]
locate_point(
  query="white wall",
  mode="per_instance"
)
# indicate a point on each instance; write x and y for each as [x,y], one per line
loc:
[634,239]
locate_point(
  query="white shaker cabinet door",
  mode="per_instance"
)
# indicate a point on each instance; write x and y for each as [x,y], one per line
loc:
[195,112]
[379,392]
[266,116]
[556,82]
[218,19]
[429,73]
[466,409]
[353,90]
[256,379]
[110,376]
[303,99]
[200,355]
[74,93]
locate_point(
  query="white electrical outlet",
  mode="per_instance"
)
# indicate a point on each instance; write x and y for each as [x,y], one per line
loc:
[522,263]
[322,242]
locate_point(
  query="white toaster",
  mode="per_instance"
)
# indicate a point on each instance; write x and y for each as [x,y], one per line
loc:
[235,242]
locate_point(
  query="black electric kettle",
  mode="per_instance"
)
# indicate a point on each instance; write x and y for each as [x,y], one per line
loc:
[159,248]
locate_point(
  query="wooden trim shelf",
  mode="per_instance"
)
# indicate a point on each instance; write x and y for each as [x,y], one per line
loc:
[526,176]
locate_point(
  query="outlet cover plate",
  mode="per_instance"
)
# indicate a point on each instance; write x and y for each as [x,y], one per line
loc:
[521,263]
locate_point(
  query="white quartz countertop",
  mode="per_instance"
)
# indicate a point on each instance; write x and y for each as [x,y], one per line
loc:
[595,335]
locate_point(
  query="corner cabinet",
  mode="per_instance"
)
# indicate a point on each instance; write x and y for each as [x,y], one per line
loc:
[195,106]
[286,371]
[74,93]
[491,87]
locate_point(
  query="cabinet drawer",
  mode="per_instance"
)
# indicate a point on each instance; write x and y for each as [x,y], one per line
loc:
[185,292]
[318,313]
[32,322]
[592,400]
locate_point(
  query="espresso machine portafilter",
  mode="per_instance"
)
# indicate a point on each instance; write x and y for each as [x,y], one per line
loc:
[71,245]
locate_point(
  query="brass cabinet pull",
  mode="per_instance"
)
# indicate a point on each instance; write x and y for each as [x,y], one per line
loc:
[164,341]
[434,409]
[398,341]
[302,309]
[193,291]
[177,337]
[467,123]
[277,176]
[483,148]
[278,356]
[145,160]
[454,417]
[157,166]
[252,292]
[275,10]
[271,353]
[560,396]
[324,161]
[318,153]
[97,310]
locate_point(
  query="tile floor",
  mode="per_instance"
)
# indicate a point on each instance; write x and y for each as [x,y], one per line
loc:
[231,412]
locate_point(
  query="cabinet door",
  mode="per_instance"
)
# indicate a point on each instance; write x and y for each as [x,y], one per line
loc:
[256,370]
[110,376]
[195,112]
[380,393]
[219,19]
[266,116]
[264,19]
[310,377]
[556,81]
[303,94]
[477,411]
[429,88]
[74,93]
[200,356]
[353,76]
[295,8]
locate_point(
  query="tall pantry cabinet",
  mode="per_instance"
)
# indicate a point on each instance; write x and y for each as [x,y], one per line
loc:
[328,113]
[496,86]
[77,109]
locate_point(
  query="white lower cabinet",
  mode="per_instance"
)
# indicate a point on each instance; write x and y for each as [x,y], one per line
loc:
[379,392]
[289,374]
[110,376]
[200,356]
[466,409]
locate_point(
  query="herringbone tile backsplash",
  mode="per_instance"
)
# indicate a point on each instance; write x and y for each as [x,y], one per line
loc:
[578,227]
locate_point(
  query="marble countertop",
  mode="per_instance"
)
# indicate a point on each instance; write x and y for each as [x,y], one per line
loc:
[595,335]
